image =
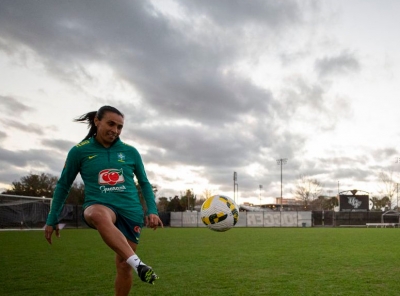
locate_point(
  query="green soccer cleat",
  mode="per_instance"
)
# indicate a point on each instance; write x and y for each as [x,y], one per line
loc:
[146,274]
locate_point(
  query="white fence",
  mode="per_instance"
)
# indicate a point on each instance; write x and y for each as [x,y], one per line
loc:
[248,219]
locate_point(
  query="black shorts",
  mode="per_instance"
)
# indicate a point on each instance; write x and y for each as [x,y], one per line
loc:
[130,229]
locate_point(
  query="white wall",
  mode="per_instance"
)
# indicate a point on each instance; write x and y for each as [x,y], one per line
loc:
[248,219]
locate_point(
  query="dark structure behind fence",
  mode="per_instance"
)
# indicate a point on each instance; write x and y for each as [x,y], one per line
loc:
[331,218]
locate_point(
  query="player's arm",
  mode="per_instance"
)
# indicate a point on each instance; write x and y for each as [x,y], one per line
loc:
[68,175]
[152,218]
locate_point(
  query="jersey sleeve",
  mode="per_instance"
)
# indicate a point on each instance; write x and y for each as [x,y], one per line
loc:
[68,175]
[145,186]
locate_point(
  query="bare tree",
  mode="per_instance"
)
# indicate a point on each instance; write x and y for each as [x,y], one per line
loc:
[207,193]
[307,189]
[387,186]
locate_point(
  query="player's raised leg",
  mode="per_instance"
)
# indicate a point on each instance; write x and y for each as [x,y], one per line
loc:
[103,218]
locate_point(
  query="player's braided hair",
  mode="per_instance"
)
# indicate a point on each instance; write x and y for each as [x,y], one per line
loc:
[90,116]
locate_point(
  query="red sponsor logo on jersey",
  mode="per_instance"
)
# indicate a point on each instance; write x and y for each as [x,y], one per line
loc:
[137,229]
[111,177]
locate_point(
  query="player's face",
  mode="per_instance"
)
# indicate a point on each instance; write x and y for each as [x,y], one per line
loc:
[109,128]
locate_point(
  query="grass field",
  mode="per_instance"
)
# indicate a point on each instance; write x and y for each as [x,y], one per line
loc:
[242,261]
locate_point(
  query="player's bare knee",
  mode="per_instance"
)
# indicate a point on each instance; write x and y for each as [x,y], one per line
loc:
[94,218]
[97,216]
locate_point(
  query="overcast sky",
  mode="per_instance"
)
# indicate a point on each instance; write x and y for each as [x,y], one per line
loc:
[208,88]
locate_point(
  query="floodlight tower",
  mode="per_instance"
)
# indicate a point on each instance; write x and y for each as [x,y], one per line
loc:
[260,194]
[281,162]
[397,185]
[235,185]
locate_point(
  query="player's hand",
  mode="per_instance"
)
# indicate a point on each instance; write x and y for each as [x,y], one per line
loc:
[48,232]
[153,221]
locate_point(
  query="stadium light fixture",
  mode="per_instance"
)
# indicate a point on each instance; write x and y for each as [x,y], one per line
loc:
[397,185]
[281,162]
[234,186]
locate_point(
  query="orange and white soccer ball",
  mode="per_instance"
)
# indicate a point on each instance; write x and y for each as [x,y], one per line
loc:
[219,213]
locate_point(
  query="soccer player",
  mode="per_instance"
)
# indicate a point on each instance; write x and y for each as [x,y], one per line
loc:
[112,206]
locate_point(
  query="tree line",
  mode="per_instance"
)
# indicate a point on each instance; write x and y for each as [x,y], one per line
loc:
[307,190]
[43,185]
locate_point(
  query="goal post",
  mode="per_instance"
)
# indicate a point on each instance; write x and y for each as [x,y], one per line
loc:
[23,212]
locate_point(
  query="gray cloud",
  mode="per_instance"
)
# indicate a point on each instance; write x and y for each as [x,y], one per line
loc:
[13,106]
[149,52]
[15,109]
[31,128]
[23,158]
[60,145]
[226,14]
[385,154]
[3,135]
[191,105]
[29,161]
[341,64]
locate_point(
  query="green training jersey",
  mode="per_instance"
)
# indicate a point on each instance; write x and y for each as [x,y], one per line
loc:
[108,175]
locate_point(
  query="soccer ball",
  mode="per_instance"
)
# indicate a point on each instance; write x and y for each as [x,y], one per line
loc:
[219,213]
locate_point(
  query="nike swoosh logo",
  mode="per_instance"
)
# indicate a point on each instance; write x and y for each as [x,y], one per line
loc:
[92,156]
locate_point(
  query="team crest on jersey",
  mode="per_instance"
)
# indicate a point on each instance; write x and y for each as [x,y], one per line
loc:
[121,157]
[111,177]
